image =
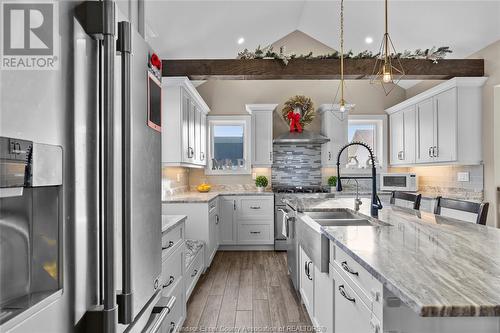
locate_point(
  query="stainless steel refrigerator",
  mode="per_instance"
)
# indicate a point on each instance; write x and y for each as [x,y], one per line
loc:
[103,108]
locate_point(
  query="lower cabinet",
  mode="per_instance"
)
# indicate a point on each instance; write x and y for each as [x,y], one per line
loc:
[351,313]
[306,281]
[227,228]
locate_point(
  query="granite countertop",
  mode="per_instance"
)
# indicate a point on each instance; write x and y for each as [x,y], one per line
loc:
[170,221]
[439,267]
[194,196]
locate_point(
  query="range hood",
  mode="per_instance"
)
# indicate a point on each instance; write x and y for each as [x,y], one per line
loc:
[305,137]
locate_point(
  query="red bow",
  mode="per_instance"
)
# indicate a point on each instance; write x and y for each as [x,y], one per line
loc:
[294,122]
[155,61]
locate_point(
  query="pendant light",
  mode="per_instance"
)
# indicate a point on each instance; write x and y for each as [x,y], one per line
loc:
[388,70]
[341,108]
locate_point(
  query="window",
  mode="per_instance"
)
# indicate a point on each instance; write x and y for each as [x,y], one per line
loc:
[369,129]
[229,145]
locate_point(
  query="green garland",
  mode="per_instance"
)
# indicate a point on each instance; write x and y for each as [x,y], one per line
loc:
[434,54]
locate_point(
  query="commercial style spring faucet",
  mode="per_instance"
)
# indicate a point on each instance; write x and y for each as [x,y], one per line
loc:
[375,204]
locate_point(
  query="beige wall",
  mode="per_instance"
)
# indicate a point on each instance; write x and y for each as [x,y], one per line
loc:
[491,141]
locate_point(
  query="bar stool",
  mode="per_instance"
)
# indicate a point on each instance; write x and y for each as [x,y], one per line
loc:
[414,198]
[481,209]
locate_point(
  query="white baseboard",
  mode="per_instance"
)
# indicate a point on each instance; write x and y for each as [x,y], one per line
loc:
[246,248]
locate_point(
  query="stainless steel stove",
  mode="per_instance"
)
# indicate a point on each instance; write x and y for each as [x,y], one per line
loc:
[280,209]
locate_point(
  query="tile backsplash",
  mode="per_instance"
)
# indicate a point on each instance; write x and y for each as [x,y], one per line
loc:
[297,165]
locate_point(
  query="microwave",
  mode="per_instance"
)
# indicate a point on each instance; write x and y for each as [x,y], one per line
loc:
[406,182]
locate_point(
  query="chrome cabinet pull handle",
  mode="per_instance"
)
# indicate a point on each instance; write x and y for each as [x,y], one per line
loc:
[255,232]
[254,207]
[348,269]
[329,156]
[170,244]
[435,151]
[343,293]
[217,219]
[271,156]
[194,273]
[309,270]
[170,281]
[202,156]
[430,152]
[234,204]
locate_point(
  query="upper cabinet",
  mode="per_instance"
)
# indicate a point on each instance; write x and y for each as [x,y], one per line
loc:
[262,134]
[184,132]
[439,126]
[403,136]
[335,129]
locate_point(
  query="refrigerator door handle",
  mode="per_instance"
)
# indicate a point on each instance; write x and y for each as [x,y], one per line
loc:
[124,47]
[162,312]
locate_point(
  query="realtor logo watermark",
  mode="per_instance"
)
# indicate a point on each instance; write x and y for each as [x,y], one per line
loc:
[30,39]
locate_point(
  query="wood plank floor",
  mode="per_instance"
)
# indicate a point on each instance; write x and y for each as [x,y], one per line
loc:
[246,291]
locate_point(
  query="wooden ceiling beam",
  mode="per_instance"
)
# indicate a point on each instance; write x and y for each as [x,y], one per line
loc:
[316,69]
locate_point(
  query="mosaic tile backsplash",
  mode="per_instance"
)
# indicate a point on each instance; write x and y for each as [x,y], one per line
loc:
[296,165]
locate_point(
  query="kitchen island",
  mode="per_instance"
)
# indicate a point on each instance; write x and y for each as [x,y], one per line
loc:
[445,273]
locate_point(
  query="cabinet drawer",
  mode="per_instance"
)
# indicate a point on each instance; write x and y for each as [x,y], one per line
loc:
[367,287]
[171,269]
[170,240]
[177,313]
[193,272]
[351,313]
[255,233]
[251,208]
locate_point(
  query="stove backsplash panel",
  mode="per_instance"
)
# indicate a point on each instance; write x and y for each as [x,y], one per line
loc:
[296,165]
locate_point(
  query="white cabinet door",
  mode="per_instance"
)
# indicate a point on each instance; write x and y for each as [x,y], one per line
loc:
[425,131]
[262,128]
[227,224]
[445,145]
[336,130]
[191,131]
[410,138]
[306,283]
[203,139]
[185,105]
[397,137]
[213,229]
[351,314]
[197,135]
[323,300]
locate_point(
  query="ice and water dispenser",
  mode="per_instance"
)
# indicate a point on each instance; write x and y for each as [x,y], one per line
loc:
[30,225]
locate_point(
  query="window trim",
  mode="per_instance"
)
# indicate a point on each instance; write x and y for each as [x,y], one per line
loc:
[381,137]
[247,147]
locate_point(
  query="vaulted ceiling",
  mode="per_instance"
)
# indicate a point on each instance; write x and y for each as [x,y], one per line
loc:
[210,29]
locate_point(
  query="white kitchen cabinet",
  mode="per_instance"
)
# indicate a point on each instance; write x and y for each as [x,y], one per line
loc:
[403,136]
[183,124]
[227,227]
[262,134]
[448,124]
[351,313]
[323,300]
[336,130]
[306,281]
[201,223]
[425,131]
[213,229]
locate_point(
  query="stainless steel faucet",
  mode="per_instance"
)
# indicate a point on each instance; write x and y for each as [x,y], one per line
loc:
[357,201]
[375,204]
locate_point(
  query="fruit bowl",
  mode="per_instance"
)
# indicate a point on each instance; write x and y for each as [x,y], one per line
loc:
[204,188]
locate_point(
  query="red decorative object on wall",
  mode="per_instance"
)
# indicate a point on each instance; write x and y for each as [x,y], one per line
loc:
[155,61]
[295,125]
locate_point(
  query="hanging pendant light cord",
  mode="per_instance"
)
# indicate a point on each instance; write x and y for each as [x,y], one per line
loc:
[386,35]
[341,51]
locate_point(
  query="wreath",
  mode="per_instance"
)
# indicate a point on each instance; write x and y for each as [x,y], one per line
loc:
[299,112]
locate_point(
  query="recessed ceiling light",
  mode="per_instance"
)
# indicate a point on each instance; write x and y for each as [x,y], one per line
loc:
[241,40]
[368,40]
